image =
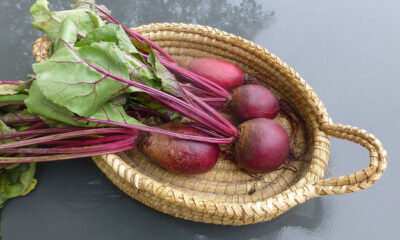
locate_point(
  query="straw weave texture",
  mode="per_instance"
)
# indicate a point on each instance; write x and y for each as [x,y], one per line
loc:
[226,195]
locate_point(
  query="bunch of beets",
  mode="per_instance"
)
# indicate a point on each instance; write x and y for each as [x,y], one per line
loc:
[107,89]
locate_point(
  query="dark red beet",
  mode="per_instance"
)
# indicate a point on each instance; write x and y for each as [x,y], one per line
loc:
[262,146]
[225,74]
[254,101]
[177,155]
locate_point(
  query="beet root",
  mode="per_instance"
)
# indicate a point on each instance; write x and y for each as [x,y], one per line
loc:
[177,155]
[254,101]
[225,74]
[262,146]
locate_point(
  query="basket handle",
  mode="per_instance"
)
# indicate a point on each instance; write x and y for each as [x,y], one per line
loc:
[362,179]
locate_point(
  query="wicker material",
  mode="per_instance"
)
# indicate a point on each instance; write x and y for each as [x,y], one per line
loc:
[227,195]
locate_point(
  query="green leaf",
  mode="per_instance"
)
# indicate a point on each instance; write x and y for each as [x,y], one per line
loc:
[12,165]
[85,4]
[113,110]
[105,34]
[68,34]
[110,33]
[69,79]
[141,74]
[16,181]
[49,22]
[168,80]
[4,129]
[30,187]
[115,34]
[37,103]
[115,113]
[175,116]
[91,5]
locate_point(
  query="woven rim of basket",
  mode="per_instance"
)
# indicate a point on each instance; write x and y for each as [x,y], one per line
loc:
[307,187]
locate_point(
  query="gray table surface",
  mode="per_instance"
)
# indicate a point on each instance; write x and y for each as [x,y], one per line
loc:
[348,51]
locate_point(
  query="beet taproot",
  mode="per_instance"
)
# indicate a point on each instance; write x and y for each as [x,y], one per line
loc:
[254,101]
[178,155]
[225,74]
[262,146]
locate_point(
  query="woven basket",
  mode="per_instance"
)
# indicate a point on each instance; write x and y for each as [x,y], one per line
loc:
[226,195]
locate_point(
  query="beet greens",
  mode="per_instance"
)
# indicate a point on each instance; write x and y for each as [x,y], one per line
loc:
[78,101]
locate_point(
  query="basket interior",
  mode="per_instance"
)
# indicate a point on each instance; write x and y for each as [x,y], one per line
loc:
[226,183]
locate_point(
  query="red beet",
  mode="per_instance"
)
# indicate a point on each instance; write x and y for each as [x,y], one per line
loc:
[225,74]
[177,155]
[254,101]
[262,146]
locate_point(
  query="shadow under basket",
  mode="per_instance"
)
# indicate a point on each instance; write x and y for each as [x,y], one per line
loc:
[227,195]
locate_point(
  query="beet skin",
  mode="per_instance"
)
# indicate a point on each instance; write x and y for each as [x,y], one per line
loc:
[262,146]
[178,155]
[225,74]
[254,101]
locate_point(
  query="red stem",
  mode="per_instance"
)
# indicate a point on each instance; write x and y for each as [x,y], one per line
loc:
[95,140]
[215,113]
[84,141]
[217,104]
[36,126]
[64,156]
[10,82]
[11,103]
[188,99]
[175,107]
[194,125]
[200,90]
[59,142]
[99,147]
[38,132]
[161,131]
[213,99]
[19,121]
[195,78]
[77,133]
